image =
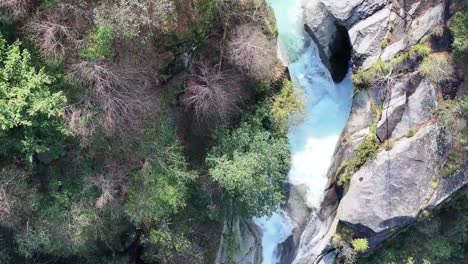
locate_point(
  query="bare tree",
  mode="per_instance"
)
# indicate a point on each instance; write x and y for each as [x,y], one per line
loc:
[17,8]
[16,197]
[116,101]
[57,31]
[214,96]
[250,50]
[113,181]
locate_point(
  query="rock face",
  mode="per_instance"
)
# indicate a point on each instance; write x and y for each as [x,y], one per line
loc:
[390,191]
[394,187]
[246,242]
[378,29]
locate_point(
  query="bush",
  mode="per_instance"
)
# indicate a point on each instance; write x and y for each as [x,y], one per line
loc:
[288,107]
[454,117]
[438,68]
[360,244]
[100,44]
[459,27]
[214,96]
[366,151]
[30,113]
[410,133]
[132,18]
[381,71]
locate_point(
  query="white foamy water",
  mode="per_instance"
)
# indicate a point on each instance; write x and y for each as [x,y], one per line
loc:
[313,141]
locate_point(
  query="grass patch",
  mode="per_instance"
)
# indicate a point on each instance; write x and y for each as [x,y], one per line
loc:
[437,68]
[366,151]
[382,69]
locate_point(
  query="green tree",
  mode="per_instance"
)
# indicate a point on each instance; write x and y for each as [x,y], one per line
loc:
[250,165]
[160,189]
[30,113]
[459,28]
[288,107]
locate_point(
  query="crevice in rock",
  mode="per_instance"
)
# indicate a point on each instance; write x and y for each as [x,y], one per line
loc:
[340,53]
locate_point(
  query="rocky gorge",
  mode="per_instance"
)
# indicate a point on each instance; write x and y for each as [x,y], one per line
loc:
[394,132]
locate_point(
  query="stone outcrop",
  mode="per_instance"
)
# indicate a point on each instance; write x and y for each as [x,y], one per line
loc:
[390,191]
[378,29]
[246,240]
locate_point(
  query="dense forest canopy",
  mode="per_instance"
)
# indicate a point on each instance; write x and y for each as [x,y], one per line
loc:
[129,128]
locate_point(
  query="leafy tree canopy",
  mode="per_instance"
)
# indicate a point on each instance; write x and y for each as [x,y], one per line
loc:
[250,165]
[30,113]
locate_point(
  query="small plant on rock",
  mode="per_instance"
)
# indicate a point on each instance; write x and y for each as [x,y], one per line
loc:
[410,133]
[360,244]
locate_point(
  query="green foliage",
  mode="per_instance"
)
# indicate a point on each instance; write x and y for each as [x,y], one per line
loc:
[134,18]
[366,151]
[454,117]
[360,244]
[288,107]
[437,68]
[250,165]
[384,43]
[410,133]
[164,245]
[160,189]
[100,44]
[459,27]
[381,69]
[30,113]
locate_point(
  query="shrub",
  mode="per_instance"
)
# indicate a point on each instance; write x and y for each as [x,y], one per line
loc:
[437,68]
[454,117]
[410,133]
[388,144]
[288,107]
[30,113]
[18,200]
[100,44]
[360,244]
[162,245]
[366,151]
[381,71]
[132,18]
[17,8]
[459,27]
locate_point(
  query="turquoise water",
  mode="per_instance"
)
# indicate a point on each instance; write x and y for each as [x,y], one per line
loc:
[313,141]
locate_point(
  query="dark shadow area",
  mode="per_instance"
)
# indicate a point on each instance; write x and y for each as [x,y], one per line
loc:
[340,53]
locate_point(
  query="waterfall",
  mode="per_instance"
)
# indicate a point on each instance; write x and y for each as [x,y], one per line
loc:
[313,141]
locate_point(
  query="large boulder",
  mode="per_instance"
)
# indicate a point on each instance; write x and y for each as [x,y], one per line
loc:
[390,191]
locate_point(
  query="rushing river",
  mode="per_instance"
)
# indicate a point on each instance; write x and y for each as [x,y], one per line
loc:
[313,141]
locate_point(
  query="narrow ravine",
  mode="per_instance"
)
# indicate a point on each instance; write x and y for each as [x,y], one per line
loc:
[313,141]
